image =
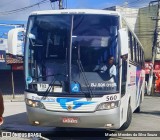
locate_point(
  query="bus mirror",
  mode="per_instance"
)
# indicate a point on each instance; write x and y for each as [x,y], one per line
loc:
[31,36]
[123,41]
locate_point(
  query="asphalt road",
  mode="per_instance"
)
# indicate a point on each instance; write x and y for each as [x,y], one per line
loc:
[15,120]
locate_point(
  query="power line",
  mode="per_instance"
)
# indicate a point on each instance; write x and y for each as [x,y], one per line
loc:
[24,8]
[41,2]
[51,5]
[38,6]
[133,3]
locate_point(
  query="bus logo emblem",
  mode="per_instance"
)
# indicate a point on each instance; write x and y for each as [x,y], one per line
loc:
[69,108]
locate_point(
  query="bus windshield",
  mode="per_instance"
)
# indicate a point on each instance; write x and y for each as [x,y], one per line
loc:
[76,46]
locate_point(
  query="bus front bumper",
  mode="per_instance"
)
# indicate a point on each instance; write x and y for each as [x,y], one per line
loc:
[107,119]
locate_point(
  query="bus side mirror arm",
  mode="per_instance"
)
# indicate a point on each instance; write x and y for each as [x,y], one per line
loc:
[123,42]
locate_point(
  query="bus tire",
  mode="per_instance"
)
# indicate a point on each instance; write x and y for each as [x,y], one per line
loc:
[129,119]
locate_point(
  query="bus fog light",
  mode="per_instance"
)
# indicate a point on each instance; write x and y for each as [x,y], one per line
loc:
[108,105]
[108,125]
[36,122]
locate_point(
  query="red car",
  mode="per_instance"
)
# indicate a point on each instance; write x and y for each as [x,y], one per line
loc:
[1,109]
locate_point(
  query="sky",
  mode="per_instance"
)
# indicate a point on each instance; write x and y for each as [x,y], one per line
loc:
[6,6]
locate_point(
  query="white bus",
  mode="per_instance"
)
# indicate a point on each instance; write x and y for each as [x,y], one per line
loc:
[62,48]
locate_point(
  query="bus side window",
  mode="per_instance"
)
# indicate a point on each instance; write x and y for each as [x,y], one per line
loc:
[135,50]
[143,59]
[140,57]
[124,77]
[138,53]
[130,46]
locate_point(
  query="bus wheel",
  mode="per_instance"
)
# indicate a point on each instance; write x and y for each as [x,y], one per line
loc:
[129,119]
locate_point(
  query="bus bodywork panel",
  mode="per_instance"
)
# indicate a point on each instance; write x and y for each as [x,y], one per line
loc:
[54,112]
[97,119]
[136,83]
[75,11]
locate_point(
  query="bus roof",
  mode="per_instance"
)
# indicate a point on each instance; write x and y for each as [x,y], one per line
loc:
[75,11]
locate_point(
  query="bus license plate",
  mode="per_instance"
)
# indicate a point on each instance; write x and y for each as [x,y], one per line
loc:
[70,120]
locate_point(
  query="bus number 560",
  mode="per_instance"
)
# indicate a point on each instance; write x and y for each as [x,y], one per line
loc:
[111,98]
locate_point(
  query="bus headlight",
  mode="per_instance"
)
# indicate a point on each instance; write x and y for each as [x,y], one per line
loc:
[34,103]
[108,105]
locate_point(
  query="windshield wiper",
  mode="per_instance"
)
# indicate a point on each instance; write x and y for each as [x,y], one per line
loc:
[84,76]
[52,84]
[85,79]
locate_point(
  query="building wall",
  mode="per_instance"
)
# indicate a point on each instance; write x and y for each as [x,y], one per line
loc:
[142,23]
[6,82]
[130,15]
[146,29]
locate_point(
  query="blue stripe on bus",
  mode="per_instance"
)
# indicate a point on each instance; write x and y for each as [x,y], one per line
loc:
[76,103]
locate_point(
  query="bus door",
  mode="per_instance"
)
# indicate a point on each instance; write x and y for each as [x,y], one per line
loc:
[131,87]
[123,109]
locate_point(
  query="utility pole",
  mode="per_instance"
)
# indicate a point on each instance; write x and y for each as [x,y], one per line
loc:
[60,3]
[154,48]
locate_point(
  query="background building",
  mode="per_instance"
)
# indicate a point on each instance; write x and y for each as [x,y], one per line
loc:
[143,24]
[11,68]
